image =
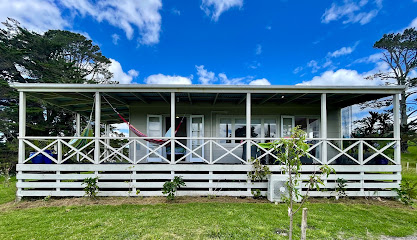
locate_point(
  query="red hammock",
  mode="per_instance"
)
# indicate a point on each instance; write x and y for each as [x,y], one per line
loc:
[141,134]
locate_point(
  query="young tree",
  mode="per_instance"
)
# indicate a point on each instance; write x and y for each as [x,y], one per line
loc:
[400,53]
[289,152]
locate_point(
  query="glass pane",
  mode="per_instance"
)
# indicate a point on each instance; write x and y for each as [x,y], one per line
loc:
[256,128]
[270,128]
[286,127]
[225,129]
[313,128]
[302,122]
[240,128]
[154,124]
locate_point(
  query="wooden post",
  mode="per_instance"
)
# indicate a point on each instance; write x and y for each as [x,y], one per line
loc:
[397,134]
[248,135]
[323,128]
[78,130]
[408,164]
[304,224]
[97,120]
[172,127]
[22,134]
[248,126]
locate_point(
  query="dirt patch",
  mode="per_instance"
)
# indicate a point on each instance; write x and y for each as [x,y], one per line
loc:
[399,238]
[83,201]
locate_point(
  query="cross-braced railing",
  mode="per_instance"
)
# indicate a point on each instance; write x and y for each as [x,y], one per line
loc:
[206,150]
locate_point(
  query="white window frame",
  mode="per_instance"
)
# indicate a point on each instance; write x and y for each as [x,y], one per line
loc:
[282,125]
[151,159]
[233,124]
[191,159]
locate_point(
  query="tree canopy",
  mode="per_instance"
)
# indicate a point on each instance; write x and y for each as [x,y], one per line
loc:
[56,56]
[400,53]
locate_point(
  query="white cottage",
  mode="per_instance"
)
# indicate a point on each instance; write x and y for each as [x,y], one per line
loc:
[216,130]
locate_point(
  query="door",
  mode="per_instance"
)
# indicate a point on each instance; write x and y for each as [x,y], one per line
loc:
[287,124]
[154,124]
[196,131]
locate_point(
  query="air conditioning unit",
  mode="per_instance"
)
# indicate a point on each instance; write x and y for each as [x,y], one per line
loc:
[277,188]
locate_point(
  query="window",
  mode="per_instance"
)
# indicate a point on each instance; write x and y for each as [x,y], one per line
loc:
[225,129]
[270,128]
[232,127]
[309,125]
[287,124]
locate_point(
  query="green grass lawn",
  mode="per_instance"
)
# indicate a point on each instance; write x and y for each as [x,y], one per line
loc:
[327,220]
[7,192]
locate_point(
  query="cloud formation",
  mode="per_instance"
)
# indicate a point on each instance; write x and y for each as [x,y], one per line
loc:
[352,11]
[207,77]
[123,14]
[167,79]
[262,81]
[36,15]
[119,75]
[131,16]
[204,76]
[215,8]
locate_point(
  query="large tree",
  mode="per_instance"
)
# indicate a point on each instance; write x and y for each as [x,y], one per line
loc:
[400,53]
[55,56]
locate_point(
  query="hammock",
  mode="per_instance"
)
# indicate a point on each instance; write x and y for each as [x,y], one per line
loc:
[87,132]
[141,134]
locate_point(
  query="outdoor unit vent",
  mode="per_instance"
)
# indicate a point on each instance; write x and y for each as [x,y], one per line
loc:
[277,187]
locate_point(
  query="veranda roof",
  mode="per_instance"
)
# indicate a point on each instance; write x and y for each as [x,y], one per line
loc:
[79,97]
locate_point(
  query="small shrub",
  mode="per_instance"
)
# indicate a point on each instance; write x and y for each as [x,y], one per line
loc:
[259,172]
[341,187]
[407,192]
[256,193]
[170,187]
[47,198]
[91,189]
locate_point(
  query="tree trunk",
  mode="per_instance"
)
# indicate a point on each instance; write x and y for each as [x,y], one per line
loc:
[291,221]
[404,121]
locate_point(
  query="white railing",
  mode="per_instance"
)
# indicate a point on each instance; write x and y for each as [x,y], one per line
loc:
[210,150]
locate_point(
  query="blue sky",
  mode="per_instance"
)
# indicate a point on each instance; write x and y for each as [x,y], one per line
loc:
[228,41]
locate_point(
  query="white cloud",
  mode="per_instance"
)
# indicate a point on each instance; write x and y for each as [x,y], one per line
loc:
[120,128]
[262,81]
[204,76]
[119,75]
[297,70]
[342,51]
[341,77]
[36,15]
[351,12]
[258,49]
[254,65]
[232,81]
[216,7]
[166,79]
[176,11]
[313,65]
[129,15]
[115,38]
[124,14]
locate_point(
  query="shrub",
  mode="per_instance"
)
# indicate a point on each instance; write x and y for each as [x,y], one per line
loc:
[407,192]
[170,187]
[91,189]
